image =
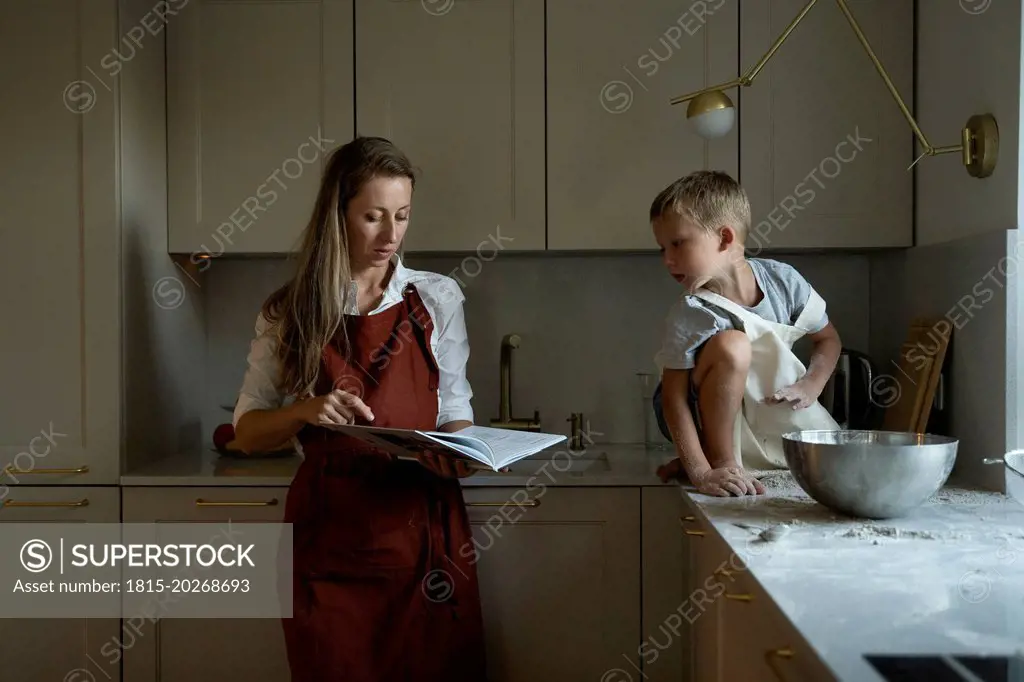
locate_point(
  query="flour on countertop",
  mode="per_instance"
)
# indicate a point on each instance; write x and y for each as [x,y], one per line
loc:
[966,497]
[777,479]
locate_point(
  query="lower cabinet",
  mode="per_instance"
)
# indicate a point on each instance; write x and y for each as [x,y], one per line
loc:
[559,573]
[577,583]
[203,649]
[72,649]
[664,647]
[737,632]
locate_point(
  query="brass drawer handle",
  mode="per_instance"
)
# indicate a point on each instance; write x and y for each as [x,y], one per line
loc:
[739,597]
[33,503]
[531,503]
[770,657]
[684,519]
[236,503]
[11,469]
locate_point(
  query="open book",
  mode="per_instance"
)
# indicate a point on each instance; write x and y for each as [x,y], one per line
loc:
[493,448]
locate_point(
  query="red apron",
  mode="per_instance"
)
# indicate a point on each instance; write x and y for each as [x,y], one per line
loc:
[385,586]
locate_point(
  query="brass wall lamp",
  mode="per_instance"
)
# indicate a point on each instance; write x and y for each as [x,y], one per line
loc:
[712,113]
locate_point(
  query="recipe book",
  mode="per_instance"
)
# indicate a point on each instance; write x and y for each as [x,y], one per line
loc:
[493,448]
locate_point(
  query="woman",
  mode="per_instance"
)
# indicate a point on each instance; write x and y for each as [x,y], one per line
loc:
[384,586]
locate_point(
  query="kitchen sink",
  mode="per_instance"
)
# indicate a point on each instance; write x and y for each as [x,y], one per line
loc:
[555,462]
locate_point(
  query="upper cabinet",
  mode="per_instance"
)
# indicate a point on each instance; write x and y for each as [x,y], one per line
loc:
[613,139]
[459,87]
[536,125]
[60,246]
[824,148]
[258,93]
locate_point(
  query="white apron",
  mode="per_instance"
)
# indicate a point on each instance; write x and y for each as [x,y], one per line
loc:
[759,426]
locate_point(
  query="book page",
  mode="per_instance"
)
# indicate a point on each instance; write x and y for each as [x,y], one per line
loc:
[510,445]
[408,442]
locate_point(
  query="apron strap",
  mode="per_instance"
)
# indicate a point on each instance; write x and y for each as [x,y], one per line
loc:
[812,312]
[724,303]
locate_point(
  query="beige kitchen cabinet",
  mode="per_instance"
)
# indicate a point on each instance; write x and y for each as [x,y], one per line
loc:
[824,148]
[703,610]
[257,94]
[737,631]
[665,605]
[205,649]
[771,647]
[613,140]
[559,581]
[459,87]
[59,245]
[58,648]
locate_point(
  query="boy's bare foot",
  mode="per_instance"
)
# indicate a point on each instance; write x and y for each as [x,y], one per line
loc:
[671,470]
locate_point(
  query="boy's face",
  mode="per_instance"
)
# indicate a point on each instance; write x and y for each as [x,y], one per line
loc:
[691,254]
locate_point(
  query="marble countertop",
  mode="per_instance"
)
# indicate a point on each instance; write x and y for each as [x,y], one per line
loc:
[946,579]
[612,464]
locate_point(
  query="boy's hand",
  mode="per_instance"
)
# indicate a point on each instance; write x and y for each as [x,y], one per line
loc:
[728,481]
[800,395]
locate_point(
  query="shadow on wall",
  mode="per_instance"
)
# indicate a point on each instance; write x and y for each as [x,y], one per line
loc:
[974,284]
[163,359]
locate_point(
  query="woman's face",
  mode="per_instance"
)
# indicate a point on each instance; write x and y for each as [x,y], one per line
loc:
[377,218]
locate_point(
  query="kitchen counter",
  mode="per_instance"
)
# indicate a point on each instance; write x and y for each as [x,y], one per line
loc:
[599,465]
[947,579]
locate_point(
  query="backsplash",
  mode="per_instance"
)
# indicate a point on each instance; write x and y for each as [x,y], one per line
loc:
[588,324]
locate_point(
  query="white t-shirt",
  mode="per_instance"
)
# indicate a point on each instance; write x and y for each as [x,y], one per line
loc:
[692,321]
[449,342]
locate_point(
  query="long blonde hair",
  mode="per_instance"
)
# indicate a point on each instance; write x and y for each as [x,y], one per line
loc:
[309,311]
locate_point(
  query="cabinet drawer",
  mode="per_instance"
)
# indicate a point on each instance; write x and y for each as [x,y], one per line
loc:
[547,504]
[149,504]
[773,649]
[61,505]
[559,573]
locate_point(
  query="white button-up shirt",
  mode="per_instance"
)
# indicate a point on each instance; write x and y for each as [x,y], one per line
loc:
[449,341]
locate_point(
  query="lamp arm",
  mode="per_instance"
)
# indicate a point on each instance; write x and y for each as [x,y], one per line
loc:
[928,148]
[749,77]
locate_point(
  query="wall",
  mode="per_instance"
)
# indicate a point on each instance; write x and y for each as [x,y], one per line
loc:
[164,336]
[589,323]
[965,228]
[967,64]
[972,284]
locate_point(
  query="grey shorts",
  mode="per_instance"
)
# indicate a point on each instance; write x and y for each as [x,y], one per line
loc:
[691,400]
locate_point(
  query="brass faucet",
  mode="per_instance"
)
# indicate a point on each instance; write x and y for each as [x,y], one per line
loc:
[505,419]
[576,431]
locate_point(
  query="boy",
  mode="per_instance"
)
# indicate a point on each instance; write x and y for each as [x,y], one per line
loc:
[730,383]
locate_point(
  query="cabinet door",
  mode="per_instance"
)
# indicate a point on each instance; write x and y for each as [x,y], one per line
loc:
[205,649]
[459,87]
[559,582]
[667,611]
[825,149]
[73,649]
[708,558]
[614,141]
[59,245]
[257,94]
[748,615]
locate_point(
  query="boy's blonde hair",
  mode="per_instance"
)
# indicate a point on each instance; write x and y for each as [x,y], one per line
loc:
[711,199]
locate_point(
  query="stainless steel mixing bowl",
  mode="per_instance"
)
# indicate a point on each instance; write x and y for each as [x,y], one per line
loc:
[869,474]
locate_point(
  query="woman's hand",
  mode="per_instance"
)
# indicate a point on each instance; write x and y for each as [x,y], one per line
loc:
[335,408]
[445,466]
